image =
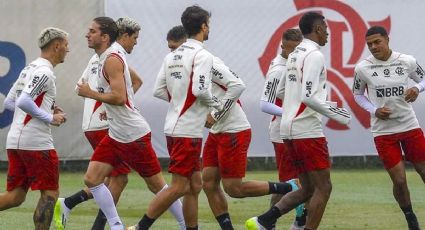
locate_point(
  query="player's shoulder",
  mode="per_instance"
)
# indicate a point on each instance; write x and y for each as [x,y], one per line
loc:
[369,60]
[406,58]
[94,59]
[218,63]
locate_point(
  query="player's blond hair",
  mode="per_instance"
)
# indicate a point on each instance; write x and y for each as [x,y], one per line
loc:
[49,34]
[127,25]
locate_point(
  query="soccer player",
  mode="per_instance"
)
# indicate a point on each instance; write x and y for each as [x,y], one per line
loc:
[33,161]
[305,93]
[95,129]
[185,81]
[128,138]
[224,154]
[385,75]
[271,104]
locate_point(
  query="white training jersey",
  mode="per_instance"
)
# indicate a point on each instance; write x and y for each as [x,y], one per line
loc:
[185,81]
[27,133]
[276,70]
[92,108]
[305,94]
[126,124]
[227,87]
[386,82]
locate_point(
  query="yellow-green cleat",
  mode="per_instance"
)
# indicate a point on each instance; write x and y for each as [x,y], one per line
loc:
[60,214]
[252,224]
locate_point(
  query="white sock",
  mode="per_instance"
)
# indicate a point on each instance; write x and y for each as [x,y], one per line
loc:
[65,209]
[177,210]
[104,200]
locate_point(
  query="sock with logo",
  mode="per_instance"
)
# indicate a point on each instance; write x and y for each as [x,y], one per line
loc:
[224,221]
[411,219]
[145,223]
[269,218]
[104,200]
[279,188]
[76,199]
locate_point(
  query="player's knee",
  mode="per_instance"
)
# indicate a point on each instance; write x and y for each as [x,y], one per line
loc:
[91,181]
[400,181]
[196,188]
[209,186]
[324,190]
[122,180]
[16,200]
[233,191]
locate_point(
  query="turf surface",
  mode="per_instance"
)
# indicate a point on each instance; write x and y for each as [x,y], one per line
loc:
[361,199]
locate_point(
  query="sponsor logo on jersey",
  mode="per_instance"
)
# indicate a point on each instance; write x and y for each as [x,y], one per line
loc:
[374,74]
[268,88]
[234,74]
[187,47]
[420,72]
[292,77]
[176,75]
[177,57]
[399,71]
[201,81]
[308,87]
[217,73]
[386,73]
[357,82]
[94,70]
[390,91]
[376,66]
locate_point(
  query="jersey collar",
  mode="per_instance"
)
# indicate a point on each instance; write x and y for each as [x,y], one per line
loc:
[194,41]
[46,62]
[311,42]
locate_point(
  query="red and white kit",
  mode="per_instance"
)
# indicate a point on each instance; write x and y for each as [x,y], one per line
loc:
[305,93]
[386,83]
[184,80]
[229,138]
[128,139]
[33,161]
[275,73]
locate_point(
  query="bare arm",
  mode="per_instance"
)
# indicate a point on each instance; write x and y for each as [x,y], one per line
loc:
[136,81]
[114,69]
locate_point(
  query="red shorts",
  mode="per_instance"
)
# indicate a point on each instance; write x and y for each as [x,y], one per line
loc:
[412,142]
[283,161]
[228,152]
[138,154]
[94,138]
[184,155]
[308,154]
[36,169]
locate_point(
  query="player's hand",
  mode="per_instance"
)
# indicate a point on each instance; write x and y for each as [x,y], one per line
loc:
[411,94]
[83,89]
[210,121]
[58,119]
[383,113]
[57,109]
[103,116]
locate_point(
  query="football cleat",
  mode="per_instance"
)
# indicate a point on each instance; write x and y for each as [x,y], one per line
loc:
[253,224]
[60,214]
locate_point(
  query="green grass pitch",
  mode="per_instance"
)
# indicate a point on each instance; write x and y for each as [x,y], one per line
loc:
[361,199]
